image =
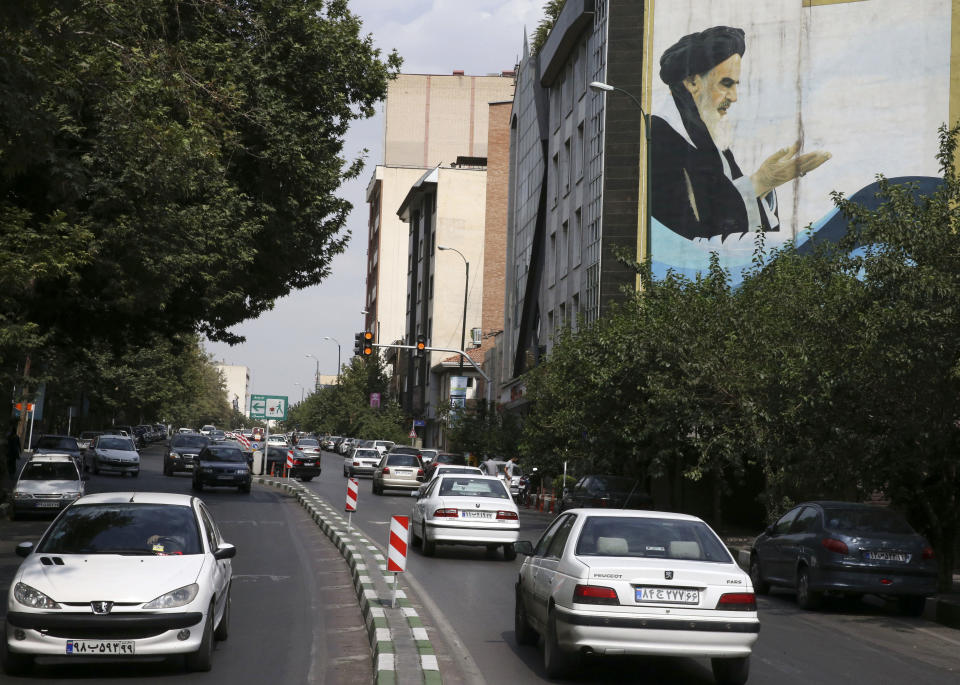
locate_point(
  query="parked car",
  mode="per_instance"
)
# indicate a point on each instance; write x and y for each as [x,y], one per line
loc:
[611,492]
[112,453]
[183,452]
[635,583]
[157,560]
[845,548]
[427,455]
[207,429]
[362,462]
[306,467]
[221,466]
[277,440]
[128,432]
[465,510]
[443,458]
[397,470]
[47,483]
[329,443]
[380,445]
[59,444]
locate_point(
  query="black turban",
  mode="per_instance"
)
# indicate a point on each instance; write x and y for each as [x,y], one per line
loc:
[698,53]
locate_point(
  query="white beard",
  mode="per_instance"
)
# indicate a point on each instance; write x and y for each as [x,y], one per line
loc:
[718,125]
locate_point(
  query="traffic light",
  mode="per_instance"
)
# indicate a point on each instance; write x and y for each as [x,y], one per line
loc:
[358,344]
[421,346]
[367,347]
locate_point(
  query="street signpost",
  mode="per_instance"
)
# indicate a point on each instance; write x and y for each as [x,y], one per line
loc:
[268,407]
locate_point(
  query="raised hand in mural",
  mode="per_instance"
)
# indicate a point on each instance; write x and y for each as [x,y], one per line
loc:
[784,165]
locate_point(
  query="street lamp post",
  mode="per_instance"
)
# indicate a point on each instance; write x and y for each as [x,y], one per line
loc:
[466,286]
[601,87]
[316,377]
[327,337]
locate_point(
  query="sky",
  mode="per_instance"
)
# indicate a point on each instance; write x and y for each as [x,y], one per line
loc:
[433,37]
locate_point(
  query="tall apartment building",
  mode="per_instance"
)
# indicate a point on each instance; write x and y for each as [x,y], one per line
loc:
[237,381]
[574,182]
[431,120]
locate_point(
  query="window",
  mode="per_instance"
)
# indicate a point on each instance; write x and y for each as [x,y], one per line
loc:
[559,540]
[783,525]
[431,287]
[552,260]
[544,543]
[555,179]
[806,522]
[564,248]
[578,153]
[566,169]
[576,240]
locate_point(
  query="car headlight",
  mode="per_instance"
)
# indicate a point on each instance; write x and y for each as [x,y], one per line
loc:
[242,472]
[17,494]
[70,495]
[207,469]
[32,597]
[174,455]
[175,598]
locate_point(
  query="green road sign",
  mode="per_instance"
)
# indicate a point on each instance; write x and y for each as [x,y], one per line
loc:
[268,407]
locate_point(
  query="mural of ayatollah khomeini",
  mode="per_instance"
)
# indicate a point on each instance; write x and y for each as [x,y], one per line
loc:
[698,191]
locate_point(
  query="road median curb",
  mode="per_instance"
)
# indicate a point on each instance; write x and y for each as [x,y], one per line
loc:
[368,567]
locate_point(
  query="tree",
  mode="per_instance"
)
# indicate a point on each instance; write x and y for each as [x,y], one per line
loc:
[551,10]
[172,166]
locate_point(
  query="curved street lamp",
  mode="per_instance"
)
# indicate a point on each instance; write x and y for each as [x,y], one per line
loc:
[327,337]
[601,87]
[466,285]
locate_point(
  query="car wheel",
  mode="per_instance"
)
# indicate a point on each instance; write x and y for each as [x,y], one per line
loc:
[414,538]
[509,552]
[760,587]
[912,606]
[429,546]
[806,598]
[201,660]
[521,625]
[14,663]
[346,474]
[96,468]
[375,490]
[556,662]
[222,631]
[245,489]
[731,671]
[306,479]
[167,471]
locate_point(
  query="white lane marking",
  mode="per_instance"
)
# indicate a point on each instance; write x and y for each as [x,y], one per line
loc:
[937,635]
[255,577]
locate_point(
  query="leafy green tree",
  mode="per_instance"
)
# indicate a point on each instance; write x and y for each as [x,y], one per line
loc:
[172,165]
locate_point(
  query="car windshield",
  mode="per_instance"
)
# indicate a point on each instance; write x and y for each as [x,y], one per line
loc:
[123,528]
[88,435]
[599,485]
[472,487]
[448,470]
[366,454]
[223,453]
[450,459]
[47,470]
[191,440]
[403,460]
[308,442]
[857,521]
[622,536]
[53,442]
[116,444]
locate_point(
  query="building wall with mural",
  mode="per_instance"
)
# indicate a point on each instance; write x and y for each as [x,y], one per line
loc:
[761,108]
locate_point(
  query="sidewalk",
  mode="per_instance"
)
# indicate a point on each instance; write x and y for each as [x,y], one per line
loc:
[944,609]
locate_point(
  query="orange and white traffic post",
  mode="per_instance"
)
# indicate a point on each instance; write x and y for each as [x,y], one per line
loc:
[397,549]
[353,492]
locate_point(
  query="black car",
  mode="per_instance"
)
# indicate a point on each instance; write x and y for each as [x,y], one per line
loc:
[612,492]
[183,452]
[443,458]
[60,444]
[305,467]
[221,466]
[845,548]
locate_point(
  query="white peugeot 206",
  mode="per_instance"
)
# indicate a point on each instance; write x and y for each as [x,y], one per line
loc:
[625,582]
[121,575]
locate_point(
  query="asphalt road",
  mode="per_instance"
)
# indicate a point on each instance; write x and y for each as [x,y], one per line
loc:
[865,641]
[294,617]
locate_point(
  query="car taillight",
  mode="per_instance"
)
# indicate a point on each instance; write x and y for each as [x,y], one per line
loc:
[594,594]
[386,470]
[507,516]
[297,462]
[837,546]
[356,463]
[419,473]
[445,513]
[928,552]
[737,601]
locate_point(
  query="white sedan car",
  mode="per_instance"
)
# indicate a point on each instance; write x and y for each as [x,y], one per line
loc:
[121,574]
[602,581]
[112,453]
[465,510]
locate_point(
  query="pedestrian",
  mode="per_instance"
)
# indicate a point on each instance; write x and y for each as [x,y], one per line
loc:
[508,468]
[13,451]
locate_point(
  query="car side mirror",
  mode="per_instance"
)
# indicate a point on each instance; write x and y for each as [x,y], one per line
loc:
[524,547]
[24,549]
[225,551]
